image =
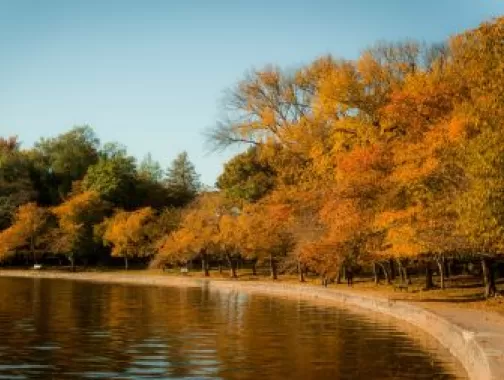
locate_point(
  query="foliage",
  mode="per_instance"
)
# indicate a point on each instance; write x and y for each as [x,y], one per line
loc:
[67,157]
[247,177]
[25,233]
[113,177]
[76,218]
[182,181]
[129,234]
[396,155]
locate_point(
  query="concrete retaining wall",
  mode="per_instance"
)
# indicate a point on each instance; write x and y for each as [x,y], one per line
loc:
[461,343]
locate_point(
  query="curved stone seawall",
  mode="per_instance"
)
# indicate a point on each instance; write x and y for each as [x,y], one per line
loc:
[460,342]
[479,352]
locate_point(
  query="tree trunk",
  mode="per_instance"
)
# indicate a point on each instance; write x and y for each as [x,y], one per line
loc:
[488,277]
[386,273]
[440,263]
[324,281]
[392,269]
[300,271]
[232,266]
[254,268]
[406,274]
[220,266]
[447,270]
[32,249]
[338,277]
[273,268]
[465,268]
[204,264]
[401,272]
[429,283]
[376,274]
[72,263]
[126,262]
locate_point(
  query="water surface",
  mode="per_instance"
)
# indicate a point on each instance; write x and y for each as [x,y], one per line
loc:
[59,329]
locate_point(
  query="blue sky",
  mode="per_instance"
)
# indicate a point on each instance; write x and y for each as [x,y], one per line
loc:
[150,74]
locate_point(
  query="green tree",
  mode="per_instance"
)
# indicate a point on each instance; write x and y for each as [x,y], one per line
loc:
[182,181]
[66,158]
[246,177]
[16,185]
[113,177]
[150,169]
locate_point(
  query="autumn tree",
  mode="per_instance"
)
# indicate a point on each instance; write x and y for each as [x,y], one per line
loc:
[26,233]
[76,219]
[259,107]
[264,233]
[197,233]
[129,234]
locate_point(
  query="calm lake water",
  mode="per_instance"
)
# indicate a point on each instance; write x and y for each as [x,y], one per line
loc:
[57,329]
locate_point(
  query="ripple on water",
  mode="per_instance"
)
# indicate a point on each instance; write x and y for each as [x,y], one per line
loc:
[74,330]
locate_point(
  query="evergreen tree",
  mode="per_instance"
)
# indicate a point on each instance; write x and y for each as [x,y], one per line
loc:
[182,181]
[150,169]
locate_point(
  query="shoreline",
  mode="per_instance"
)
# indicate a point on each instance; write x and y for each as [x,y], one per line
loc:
[475,338]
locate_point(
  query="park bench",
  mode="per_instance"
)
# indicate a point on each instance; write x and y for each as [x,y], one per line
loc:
[37,266]
[401,287]
[184,270]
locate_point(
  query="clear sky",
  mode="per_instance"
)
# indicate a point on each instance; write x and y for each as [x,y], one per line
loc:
[150,74]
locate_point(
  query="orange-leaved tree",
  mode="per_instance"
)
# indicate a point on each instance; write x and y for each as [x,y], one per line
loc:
[196,237]
[26,233]
[76,218]
[129,233]
[265,233]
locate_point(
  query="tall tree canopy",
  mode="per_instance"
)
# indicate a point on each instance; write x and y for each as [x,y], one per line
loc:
[66,158]
[182,181]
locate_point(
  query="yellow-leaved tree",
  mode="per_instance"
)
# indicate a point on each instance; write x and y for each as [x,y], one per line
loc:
[129,233]
[76,217]
[26,233]
[198,233]
[263,232]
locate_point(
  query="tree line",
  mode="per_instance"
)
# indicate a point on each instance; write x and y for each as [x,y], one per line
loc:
[393,161]
[70,196]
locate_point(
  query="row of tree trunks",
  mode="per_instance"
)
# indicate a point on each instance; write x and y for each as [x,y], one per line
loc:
[386,273]
[403,272]
[487,265]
